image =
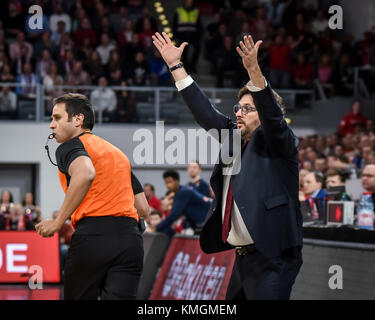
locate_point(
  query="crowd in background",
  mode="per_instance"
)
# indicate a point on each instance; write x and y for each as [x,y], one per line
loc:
[298,46]
[109,43]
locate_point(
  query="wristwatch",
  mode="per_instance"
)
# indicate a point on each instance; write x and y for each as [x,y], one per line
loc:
[177,66]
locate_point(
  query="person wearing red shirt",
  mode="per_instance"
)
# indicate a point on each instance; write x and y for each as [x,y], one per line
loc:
[352,120]
[279,55]
[153,201]
[85,31]
[302,72]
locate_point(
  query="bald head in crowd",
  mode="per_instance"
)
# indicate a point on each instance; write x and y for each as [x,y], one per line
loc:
[368,177]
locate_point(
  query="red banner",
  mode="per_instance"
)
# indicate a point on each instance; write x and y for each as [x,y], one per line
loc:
[190,274]
[25,254]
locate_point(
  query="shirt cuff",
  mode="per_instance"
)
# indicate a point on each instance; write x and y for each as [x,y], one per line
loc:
[184,83]
[253,88]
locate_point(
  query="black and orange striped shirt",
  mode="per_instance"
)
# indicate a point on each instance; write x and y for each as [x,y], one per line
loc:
[111,192]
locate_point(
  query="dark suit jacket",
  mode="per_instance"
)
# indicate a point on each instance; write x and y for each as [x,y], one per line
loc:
[266,189]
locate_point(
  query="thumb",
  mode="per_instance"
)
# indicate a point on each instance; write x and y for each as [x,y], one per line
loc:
[183,45]
[258,44]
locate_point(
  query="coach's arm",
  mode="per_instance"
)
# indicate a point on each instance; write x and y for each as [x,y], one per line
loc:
[82,173]
[205,113]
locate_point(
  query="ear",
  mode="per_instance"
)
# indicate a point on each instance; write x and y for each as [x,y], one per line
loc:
[78,120]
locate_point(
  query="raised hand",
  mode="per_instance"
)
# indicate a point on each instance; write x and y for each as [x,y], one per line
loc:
[249,52]
[170,53]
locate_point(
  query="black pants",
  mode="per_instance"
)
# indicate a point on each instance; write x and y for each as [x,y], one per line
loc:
[255,277]
[105,259]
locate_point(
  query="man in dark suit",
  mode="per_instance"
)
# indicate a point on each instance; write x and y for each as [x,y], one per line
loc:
[257,210]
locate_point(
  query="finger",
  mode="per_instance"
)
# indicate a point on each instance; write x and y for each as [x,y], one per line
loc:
[160,38]
[248,43]
[240,52]
[183,45]
[167,39]
[258,44]
[243,47]
[156,39]
[250,38]
[157,45]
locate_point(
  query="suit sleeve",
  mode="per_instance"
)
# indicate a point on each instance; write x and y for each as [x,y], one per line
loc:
[180,203]
[205,113]
[278,134]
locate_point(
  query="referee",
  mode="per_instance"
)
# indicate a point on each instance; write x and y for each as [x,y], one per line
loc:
[105,258]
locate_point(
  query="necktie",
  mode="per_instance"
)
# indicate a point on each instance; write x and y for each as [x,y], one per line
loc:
[228,209]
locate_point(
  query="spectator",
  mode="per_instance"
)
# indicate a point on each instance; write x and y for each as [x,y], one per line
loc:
[335,178]
[145,35]
[65,236]
[146,15]
[196,182]
[155,218]
[131,50]
[84,52]
[8,103]
[320,23]
[368,179]
[95,66]
[152,199]
[3,60]
[352,120]
[313,189]
[166,204]
[119,19]
[260,24]
[140,70]
[51,82]
[105,48]
[29,80]
[115,78]
[85,31]
[302,175]
[160,75]
[227,63]
[279,54]
[45,43]
[302,73]
[43,65]
[115,62]
[126,105]
[78,76]
[20,51]
[104,100]
[16,220]
[325,74]
[343,76]
[275,12]
[6,203]
[58,34]
[125,35]
[32,211]
[66,45]
[57,16]
[187,202]
[14,21]
[106,27]
[187,28]
[320,164]
[6,75]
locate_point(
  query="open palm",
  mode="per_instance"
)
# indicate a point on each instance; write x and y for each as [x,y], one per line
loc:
[170,53]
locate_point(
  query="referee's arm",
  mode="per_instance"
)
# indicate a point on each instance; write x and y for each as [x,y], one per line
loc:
[82,173]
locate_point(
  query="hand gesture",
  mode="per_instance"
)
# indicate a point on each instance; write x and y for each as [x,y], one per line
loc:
[249,52]
[47,228]
[170,53]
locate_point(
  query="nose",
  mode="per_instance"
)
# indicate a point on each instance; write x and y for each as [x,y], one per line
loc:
[52,125]
[239,113]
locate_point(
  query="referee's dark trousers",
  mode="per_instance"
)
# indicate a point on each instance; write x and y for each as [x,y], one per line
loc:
[105,259]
